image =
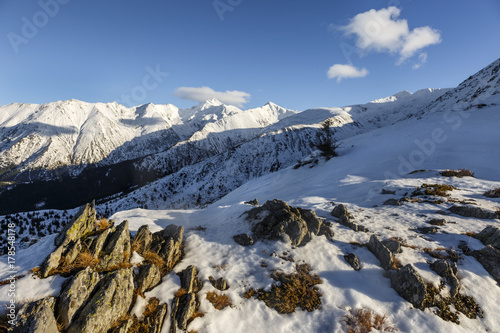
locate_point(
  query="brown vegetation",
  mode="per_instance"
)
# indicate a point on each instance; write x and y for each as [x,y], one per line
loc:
[219,301]
[365,320]
[495,193]
[457,173]
[440,190]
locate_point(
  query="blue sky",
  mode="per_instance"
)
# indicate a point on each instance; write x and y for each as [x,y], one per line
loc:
[240,51]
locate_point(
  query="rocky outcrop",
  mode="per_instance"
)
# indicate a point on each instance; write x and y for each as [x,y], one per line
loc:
[381,252]
[167,244]
[220,283]
[96,243]
[123,327]
[148,277]
[295,225]
[253,202]
[116,250]
[111,300]
[186,303]
[243,239]
[392,202]
[438,222]
[410,285]
[74,294]
[490,236]
[154,323]
[143,239]
[448,270]
[476,212]
[37,317]
[393,245]
[353,260]
[339,211]
[489,257]
[345,220]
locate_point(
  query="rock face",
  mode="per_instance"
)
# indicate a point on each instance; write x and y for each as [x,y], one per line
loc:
[448,270]
[353,260]
[155,323]
[470,211]
[285,222]
[243,239]
[345,220]
[381,252]
[143,239]
[489,257]
[393,245]
[75,292]
[112,299]
[438,222]
[392,202]
[410,285]
[339,211]
[37,317]
[149,276]
[220,283]
[116,248]
[167,244]
[490,236]
[185,305]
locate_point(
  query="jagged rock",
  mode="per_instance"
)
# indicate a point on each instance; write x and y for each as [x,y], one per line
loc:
[384,191]
[490,236]
[427,230]
[406,199]
[438,222]
[392,202]
[253,202]
[344,220]
[448,270]
[149,276]
[243,239]
[37,317]
[393,245]
[410,285]
[112,299]
[96,244]
[190,280]
[83,224]
[489,257]
[183,309]
[339,210]
[326,230]
[353,260]
[381,252]
[142,239]
[72,250]
[155,323]
[313,222]
[476,212]
[116,248]
[220,283]
[123,327]
[167,244]
[75,292]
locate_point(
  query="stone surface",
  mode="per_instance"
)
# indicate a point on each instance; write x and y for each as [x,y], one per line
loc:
[97,243]
[490,236]
[339,210]
[190,280]
[393,245]
[124,327]
[148,277]
[253,202]
[326,230]
[243,239]
[220,283]
[381,252]
[183,309]
[345,220]
[37,317]
[489,257]
[438,222]
[116,249]
[83,224]
[427,230]
[353,260]
[112,299]
[448,270]
[74,294]
[384,191]
[154,323]
[142,239]
[167,244]
[410,285]
[392,202]
[476,212]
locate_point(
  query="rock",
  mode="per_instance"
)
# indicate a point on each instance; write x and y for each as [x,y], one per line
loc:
[253,202]
[51,262]
[344,220]
[384,191]
[190,280]
[116,249]
[97,243]
[392,202]
[112,299]
[442,212]
[167,244]
[405,199]
[427,230]
[470,211]
[82,225]
[438,222]
[148,277]
[154,323]
[74,293]
[353,260]
[326,231]
[489,257]
[142,239]
[393,245]
[410,285]
[183,309]
[313,222]
[123,327]
[72,250]
[37,317]
[220,283]
[448,270]
[381,252]
[243,239]
[490,236]
[339,210]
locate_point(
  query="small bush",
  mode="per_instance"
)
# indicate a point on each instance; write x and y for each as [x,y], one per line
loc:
[218,301]
[155,259]
[180,292]
[440,190]
[495,193]
[364,320]
[457,173]
[325,142]
[103,224]
[443,253]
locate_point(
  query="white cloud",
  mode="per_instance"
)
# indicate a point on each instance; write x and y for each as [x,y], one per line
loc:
[340,72]
[382,31]
[201,94]
[422,59]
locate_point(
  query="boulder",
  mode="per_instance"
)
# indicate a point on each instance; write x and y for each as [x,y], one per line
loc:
[393,245]
[116,250]
[326,230]
[345,220]
[392,202]
[183,308]
[489,257]
[448,270]
[112,299]
[438,222]
[167,244]
[353,260]
[410,285]
[96,243]
[243,239]
[490,236]
[37,317]
[148,277]
[220,283]
[190,280]
[339,210]
[142,239]
[154,323]
[383,254]
[476,212]
[74,293]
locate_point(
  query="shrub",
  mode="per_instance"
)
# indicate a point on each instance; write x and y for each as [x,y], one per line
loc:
[434,189]
[325,142]
[495,193]
[457,173]
[364,320]
[103,224]
[155,259]
[218,301]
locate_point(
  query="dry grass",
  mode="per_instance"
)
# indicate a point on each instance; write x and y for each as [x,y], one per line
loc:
[495,193]
[291,291]
[152,307]
[440,190]
[365,320]
[180,292]
[83,260]
[198,314]
[8,281]
[155,259]
[443,253]
[119,321]
[396,264]
[219,301]
[470,234]
[103,224]
[457,173]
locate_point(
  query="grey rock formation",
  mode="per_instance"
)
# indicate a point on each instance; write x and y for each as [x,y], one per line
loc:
[393,245]
[448,270]
[490,236]
[116,249]
[155,323]
[476,212]
[190,280]
[142,239]
[410,285]
[96,243]
[184,306]
[346,221]
[339,210]
[489,257]
[123,327]
[220,283]
[149,276]
[243,239]
[37,317]
[353,260]
[392,202]
[381,252]
[167,244]
[438,222]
